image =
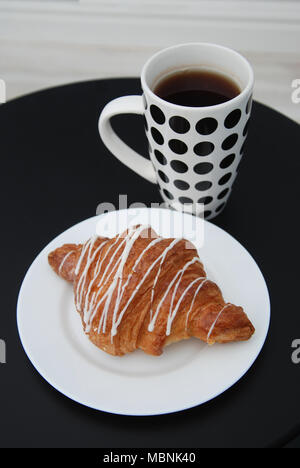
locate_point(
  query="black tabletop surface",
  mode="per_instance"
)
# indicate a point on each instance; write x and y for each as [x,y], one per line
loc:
[54,172]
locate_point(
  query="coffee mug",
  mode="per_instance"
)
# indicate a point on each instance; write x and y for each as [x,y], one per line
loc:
[194,151]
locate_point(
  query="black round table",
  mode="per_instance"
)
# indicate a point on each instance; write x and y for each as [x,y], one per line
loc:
[54,173]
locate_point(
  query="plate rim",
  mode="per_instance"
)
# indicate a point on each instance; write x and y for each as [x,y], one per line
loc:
[69,394]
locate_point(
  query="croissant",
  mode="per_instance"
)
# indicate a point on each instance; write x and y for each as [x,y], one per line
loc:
[141,291]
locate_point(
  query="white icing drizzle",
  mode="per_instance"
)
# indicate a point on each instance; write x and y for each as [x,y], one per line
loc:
[96,272]
[117,288]
[191,262]
[82,279]
[130,239]
[88,310]
[171,245]
[180,274]
[172,315]
[155,241]
[63,261]
[192,303]
[111,258]
[174,242]
[217,318]
[84,248]
[89,313]
[92,308]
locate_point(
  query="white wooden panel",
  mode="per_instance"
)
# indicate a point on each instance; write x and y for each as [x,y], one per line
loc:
[45,43]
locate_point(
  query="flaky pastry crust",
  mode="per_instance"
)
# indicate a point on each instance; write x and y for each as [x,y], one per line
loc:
[141,291]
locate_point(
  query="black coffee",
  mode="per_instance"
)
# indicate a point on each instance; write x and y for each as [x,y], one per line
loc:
[196,88]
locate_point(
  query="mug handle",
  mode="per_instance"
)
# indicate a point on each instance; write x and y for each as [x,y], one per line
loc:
[129,157]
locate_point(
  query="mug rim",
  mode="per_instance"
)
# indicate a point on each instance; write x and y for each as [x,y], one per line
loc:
[222,105]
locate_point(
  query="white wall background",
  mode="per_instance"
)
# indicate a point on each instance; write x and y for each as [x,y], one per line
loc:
[45,43]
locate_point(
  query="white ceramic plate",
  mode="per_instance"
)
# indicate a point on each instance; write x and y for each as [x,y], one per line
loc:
[187,373]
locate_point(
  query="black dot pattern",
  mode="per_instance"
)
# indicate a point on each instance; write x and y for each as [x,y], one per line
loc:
[163,176]
[203,168]
[181,184]
[233,118]
[204,148]
[204,185]
[227,161]
[207,126]
[218,209]
[179,124]
[145,123]
[205,200]
[157,114]
[157,136]
[223,194]
[224,179]
[230,141]
[160,157]
[248,107]
[196,159]
[245,131]
[168,194]
[177,146]
[185,200]
[179,166]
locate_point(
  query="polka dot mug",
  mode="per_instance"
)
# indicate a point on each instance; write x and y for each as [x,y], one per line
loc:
[194,151]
